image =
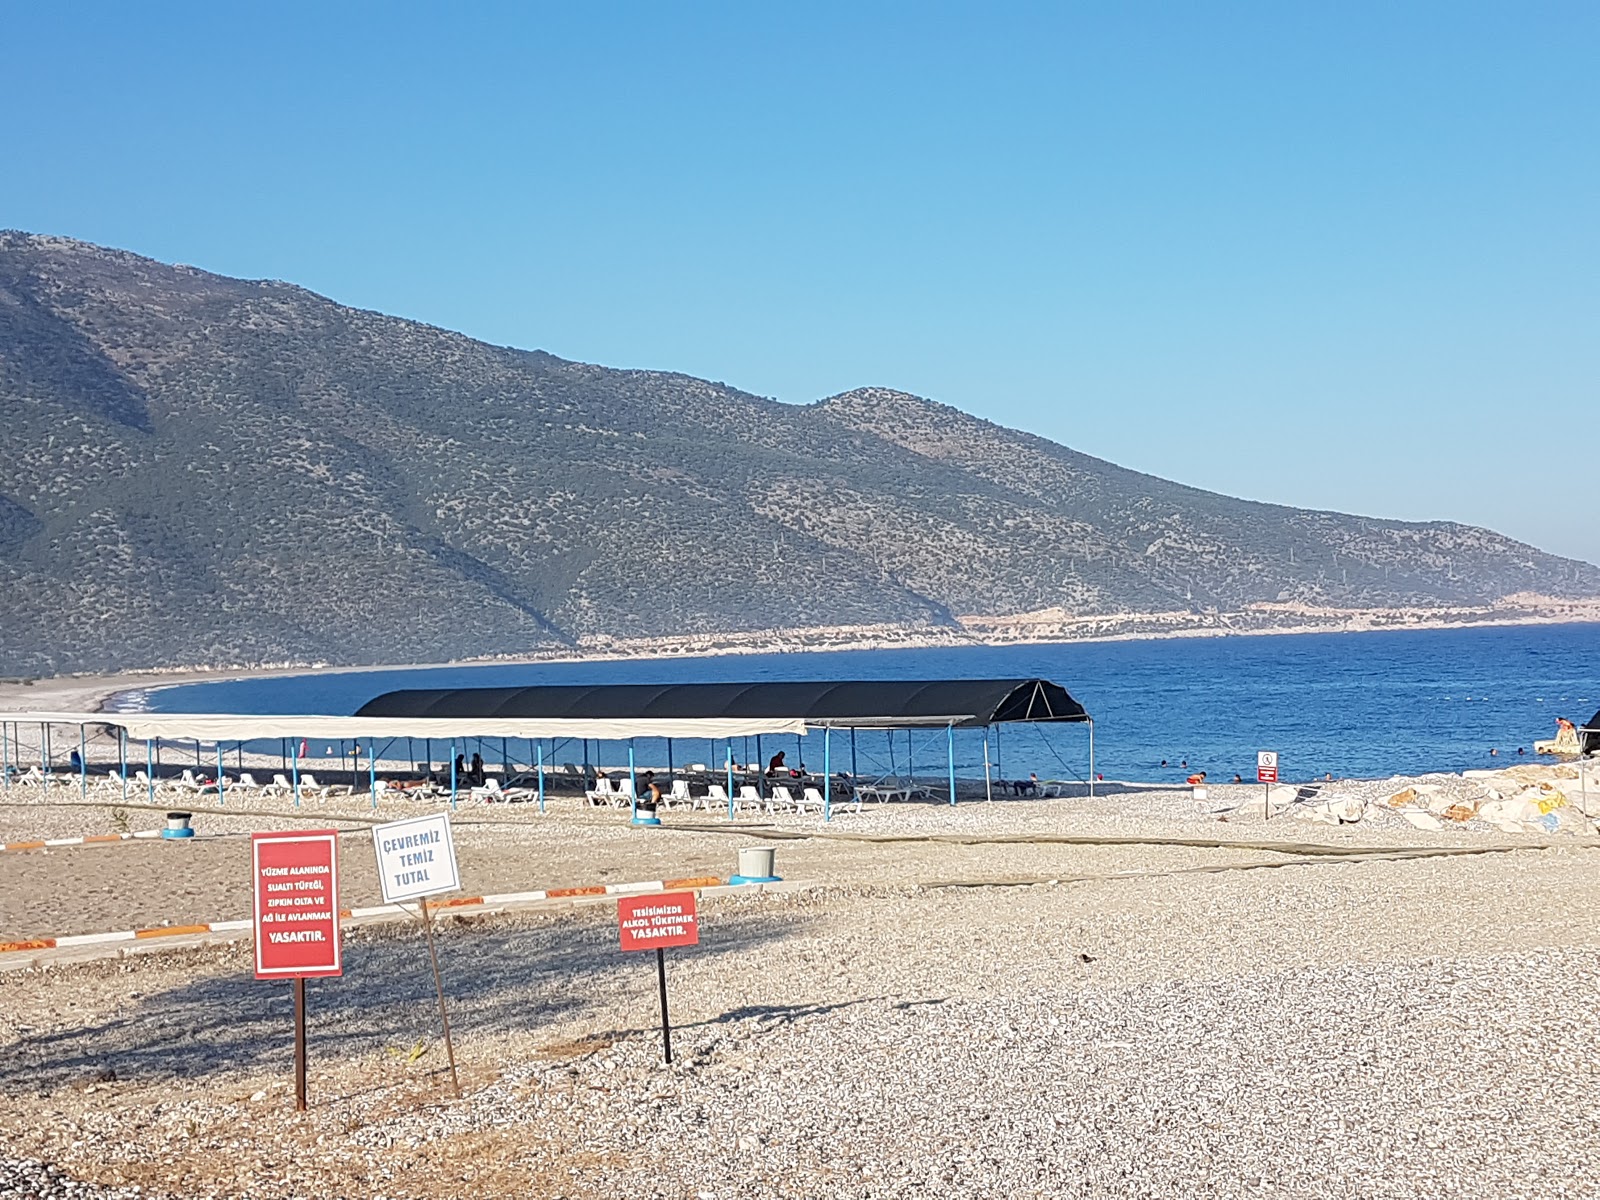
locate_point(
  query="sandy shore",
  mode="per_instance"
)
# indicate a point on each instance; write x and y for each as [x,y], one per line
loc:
[965,1004]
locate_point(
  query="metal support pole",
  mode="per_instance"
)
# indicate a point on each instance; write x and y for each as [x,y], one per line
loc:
[454,758]
[221,798]
[5,754]
[669,758]
[505,760]
[122,757]
[731,801]
[761,768]
[1091,758]
[988,780]
[372,771]
[666,1025]
[539,751]
[149,773]
[997,769]
[438,986]
[83,762]
[295,765]
[853,771]
[633,784]
[827,773]
[299,1043]
[951,734]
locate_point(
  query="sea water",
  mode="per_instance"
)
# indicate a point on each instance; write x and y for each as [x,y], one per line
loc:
[1355,705]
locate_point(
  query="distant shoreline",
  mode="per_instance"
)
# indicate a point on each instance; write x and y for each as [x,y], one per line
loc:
[96,693]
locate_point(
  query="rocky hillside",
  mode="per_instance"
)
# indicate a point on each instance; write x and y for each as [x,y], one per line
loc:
[198,469]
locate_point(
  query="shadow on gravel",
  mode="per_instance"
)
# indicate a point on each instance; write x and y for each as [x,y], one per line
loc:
[497,978]
[780,1014]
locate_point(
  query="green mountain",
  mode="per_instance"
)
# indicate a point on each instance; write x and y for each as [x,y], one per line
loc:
[204,470]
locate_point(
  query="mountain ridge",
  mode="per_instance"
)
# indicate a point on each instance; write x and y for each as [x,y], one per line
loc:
[204,469]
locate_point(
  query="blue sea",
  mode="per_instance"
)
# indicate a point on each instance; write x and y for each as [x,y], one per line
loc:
[1357,705]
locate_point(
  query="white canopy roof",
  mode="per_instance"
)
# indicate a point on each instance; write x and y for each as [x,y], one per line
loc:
[233,727]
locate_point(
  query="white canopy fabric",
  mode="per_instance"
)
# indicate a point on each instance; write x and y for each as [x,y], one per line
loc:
[226,727]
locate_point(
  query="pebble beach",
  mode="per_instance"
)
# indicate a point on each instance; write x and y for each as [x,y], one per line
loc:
[1142,994]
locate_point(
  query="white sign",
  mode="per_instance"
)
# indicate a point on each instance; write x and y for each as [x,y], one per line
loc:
[416,857]
[1267,759]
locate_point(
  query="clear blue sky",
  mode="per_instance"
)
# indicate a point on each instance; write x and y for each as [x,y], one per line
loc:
[1337,255]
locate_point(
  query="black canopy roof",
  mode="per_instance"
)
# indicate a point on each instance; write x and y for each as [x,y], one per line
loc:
[1589,736]
[859,704]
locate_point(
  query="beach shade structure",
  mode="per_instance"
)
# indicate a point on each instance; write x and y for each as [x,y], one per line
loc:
[894,704]
[716,712]
[858,704]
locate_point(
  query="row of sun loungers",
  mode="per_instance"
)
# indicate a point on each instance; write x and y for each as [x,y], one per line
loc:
[613,793]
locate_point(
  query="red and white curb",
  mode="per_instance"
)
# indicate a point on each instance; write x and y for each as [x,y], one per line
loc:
[356,916]
[103,838]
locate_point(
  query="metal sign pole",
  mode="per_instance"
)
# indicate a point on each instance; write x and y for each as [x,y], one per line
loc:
[299,1043]
[438,985]
[666,1025]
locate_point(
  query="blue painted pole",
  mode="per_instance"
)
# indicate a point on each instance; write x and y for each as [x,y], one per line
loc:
[633,782]
[453,774]
[372,771]
[149,773]
[952,743]
[5,754]
[761,768]
[294,764]
[827,773]
[853,771]
[122,754]
[83,762]
[730,779]
[221,799]
[505,760]
[540,752]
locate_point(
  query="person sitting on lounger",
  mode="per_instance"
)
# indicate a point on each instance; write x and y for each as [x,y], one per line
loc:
[775,764]
[650,801]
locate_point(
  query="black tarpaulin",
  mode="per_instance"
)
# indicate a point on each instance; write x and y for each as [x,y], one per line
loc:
[1589,736]
[861,704]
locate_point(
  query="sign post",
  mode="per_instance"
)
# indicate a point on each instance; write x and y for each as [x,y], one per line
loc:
[417,859]
[296,886]
[655,923]
[1267,773]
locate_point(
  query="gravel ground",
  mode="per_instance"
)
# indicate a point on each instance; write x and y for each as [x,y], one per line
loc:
[1343,1028]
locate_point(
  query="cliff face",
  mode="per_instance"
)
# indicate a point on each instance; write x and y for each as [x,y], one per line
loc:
[198,469]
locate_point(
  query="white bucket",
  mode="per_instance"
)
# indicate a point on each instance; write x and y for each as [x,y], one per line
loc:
[758,862]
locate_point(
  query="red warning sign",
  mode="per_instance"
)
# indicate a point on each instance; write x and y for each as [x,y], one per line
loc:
[658,922]
[297,903]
